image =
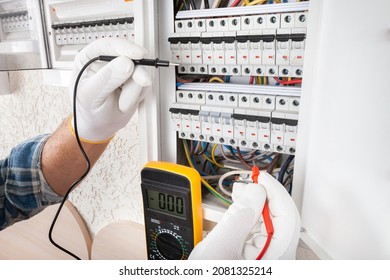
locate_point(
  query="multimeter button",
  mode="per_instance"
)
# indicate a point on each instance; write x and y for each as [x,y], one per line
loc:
[169,247]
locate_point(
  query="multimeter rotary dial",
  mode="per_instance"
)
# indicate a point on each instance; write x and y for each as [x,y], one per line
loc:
[173,210]
[170,245]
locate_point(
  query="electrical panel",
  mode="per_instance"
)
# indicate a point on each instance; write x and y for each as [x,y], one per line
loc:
[74,24]
[241,43]
[22,41]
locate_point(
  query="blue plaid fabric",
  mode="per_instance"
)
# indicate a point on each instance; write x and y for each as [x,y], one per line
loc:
[24,191]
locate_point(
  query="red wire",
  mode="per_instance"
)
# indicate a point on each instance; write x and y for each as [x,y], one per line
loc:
[235,3]
[251,80]
[270,230]
[292,82]
[297,81]
[266,216]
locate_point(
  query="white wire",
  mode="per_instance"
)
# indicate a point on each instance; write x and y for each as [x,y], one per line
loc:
[230,173]
[197,147]
[216,3]
[232,167]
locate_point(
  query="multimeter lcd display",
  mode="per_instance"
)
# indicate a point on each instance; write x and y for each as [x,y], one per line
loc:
[167,203]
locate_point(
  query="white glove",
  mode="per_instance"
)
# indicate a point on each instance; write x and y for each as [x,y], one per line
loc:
[227,239]
[285,220]
[241,233]
[108,94]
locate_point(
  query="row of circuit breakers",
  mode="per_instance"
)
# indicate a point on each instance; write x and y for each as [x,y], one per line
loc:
[264,122]
[256,45]
[14,22]
[85,32]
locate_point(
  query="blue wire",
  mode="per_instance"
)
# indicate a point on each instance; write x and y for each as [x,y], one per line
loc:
[210,165]
[245,152]
[195,143]
[200,171]
[284,168]
[212,168]
[234,150]
[227,79]
[268,157]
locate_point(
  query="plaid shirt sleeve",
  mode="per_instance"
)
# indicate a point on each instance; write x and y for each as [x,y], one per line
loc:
[24,191]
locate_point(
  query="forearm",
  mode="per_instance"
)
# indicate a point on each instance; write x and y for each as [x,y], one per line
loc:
[62,161]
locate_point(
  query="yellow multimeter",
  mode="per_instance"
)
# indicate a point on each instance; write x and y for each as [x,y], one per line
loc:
[172,210]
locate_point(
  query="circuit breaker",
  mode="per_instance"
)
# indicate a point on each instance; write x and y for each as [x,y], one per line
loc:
[23,44]
[71,25]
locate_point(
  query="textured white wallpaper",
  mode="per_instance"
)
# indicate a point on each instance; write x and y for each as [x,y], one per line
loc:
[112,190]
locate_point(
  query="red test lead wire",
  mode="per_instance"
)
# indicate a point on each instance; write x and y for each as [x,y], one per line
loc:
[266,216]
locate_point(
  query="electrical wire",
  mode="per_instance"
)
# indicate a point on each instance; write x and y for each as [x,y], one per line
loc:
[223,3]
[229,159]
[179,5]
[263,157]
[216,3]
[273,163]
[256,2]
[287,179]
[242,158]
[292,82]
[200,171]
[88,163]
[210,162]
[197,147]
[205,183]
[187,5]
[236,158]
[193,5]
[206,4]
[216,79]
[235,3]
[228,174]
[284,168]
[204,148]
[191,148]
[213,156]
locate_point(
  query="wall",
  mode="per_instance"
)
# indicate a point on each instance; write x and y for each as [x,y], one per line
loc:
[343,153]
[111,191]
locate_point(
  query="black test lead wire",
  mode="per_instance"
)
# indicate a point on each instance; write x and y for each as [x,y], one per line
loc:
[147,62]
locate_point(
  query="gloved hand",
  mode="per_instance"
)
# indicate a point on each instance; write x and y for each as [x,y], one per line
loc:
[228,237]
[241,233]
[108,94]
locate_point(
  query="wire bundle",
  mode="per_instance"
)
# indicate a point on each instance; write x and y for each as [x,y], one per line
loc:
[221,165]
